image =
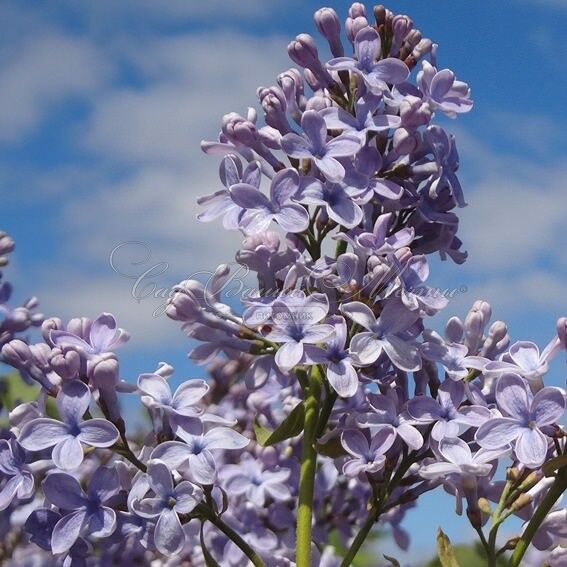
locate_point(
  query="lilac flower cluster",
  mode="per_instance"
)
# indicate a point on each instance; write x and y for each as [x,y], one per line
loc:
[331,405]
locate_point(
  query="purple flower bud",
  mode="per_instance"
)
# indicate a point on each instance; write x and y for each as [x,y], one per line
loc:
[401,26]
[303,51]
[51,324]
[16,353]
[329,26]
[80,326]
[239,130]
[357,10]
[274,104]
[354,25]
[454,330]
[182,306]
[66,364]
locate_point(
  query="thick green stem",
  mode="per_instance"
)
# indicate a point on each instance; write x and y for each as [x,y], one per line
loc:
[307,472]
[554,493]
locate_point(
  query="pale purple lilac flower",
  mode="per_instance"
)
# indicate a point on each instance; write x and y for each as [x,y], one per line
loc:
[383,334]
[384,410]
[166,504]
[378,241]
[103,337]
[180,407]
[376,74]
[459,460]
[334,197]
[442,91]
[20,483]
[85,514]
[525,419]
[196,452]
[260,210]
[447,413]
[314,145]
[365,118]
[454,358]
[67,436]
[368,457]
[340,372]
[220,203]
[295,323]
[256,483]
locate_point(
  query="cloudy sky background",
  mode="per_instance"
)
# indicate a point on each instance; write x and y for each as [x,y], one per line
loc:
[103,106]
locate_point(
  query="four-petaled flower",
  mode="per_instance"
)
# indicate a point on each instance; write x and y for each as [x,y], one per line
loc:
[196,451]
[525,416]
[104,336]
[445,412]
[20,483]
[180,407]
[367,457]
[454,357]
[86,514]
[167,503]
[67,435]
[295,324]
[260,210]
[385,411]
[376,74]
[383,334]
[459,460]
[314,145]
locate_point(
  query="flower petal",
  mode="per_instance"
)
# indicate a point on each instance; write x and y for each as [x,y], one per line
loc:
[73,401]
[68,454]
[42,433]
[498,432]
[169,536]
[98,433]
[548,406]
[156,387]
[531,448]
[66,531]
[64,491]
[224,438]
[513,396]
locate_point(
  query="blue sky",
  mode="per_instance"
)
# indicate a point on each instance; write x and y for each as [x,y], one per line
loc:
[104,105]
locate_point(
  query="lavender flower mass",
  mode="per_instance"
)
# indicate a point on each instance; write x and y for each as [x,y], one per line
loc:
[330,405]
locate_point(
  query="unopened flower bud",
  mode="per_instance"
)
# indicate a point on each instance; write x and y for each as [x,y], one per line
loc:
[239,130]
[51,324]
[380,14]
[329,26]
[16,353]
[303,50]
[80,326]
[484,506]
[353,26]
[66,364]
[182,306]
[521,502]
[7,244]
[454,330]
[356,10]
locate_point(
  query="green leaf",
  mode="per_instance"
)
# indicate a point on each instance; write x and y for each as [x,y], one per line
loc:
[290,427]
[445,550]
[554,464]
[392,560]
[209,559]
[331,448]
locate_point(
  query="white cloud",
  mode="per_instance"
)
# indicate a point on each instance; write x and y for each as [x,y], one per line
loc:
[42,72]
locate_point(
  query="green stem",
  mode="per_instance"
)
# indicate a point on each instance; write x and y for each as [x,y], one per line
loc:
[232,535]
[361,536]
[307,472]
[554,493]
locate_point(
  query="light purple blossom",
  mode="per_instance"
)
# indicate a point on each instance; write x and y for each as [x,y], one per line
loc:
[335,198]
[368,457]
[196,453]
[103,337]
[446,412]
[525,418]
[314,145]
[85,514]
[442,91]
[459,460]
[383,334]
[341,374]
[260,210]
[250,479]
[181,406]
[454,357]
[220,203]
[376,74]
[384,410]
[20,483]
[295,323]
[67,436]
[166,504]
